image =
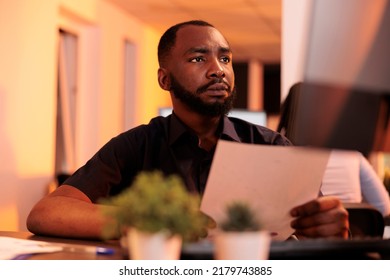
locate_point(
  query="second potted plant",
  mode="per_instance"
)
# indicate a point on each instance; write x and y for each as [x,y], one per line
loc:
[241,236]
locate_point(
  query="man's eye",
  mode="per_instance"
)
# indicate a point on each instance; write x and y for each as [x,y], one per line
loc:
[225,59]
[197,59]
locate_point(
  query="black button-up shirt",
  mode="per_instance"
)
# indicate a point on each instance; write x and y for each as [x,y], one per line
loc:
[165,144]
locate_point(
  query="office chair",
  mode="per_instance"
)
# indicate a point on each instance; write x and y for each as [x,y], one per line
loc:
[364,221]
[61,178]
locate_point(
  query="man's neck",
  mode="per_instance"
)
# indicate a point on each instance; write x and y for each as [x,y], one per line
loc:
[205,127]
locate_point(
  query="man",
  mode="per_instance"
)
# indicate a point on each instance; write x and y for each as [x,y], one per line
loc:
[196,68]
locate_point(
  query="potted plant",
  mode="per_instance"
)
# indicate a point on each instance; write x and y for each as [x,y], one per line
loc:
[240,235]
[157,213]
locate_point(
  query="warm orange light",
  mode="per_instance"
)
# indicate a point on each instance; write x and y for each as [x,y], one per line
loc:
[9,217]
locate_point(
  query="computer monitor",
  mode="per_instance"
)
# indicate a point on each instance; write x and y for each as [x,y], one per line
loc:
[344,100]
[336,117]
[256,117]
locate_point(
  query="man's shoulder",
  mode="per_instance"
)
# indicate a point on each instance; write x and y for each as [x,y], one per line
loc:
[257,134]
[157,127]
[155,124]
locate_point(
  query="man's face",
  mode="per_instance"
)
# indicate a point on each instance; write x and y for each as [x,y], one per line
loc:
[197,104]
[200,71]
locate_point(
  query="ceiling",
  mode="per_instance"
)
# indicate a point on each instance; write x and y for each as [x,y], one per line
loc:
[252,27]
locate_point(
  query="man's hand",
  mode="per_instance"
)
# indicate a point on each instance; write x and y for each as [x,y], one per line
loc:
[324,217]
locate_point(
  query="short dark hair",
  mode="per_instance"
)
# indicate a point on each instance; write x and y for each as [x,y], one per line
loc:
[168,39]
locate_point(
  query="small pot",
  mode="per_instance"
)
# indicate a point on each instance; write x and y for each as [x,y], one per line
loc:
[153,246]
[250,245]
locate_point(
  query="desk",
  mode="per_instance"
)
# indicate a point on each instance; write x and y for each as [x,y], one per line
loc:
[300,250]
[312,249]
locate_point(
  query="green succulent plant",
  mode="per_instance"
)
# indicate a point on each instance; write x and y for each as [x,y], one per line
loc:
[240,217]
[156,203]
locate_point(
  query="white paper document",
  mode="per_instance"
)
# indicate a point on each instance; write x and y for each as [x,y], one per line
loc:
[272,179]
[15,248]
[11,248]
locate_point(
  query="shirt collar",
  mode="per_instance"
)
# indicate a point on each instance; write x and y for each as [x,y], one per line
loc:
[177,128]
[229,132]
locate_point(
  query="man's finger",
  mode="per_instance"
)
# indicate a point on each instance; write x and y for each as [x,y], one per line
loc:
[320,204]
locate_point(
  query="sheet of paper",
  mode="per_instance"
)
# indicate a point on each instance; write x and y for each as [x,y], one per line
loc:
[272,179]
[11,248]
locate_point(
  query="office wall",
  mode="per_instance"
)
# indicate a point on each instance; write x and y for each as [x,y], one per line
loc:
[116,27]
[28,84]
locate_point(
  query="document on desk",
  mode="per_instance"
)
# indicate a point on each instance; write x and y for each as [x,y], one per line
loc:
[12,248]
[272,179]
[15,248]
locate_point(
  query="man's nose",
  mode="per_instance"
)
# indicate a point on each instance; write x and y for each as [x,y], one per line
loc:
[216,71]
[220,74]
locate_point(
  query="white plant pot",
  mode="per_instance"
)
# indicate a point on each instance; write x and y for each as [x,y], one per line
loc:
[153,246]
[242,245]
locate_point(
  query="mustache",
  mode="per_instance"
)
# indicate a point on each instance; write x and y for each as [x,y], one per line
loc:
[213,82]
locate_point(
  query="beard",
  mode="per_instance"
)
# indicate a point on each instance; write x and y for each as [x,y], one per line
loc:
[196,104]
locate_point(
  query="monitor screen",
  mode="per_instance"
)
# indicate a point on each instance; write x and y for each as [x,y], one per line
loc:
[338,117]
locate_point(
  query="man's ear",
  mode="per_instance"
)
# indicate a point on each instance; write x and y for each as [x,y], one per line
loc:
[163,79]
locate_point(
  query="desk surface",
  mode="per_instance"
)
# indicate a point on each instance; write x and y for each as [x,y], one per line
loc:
[307,249]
